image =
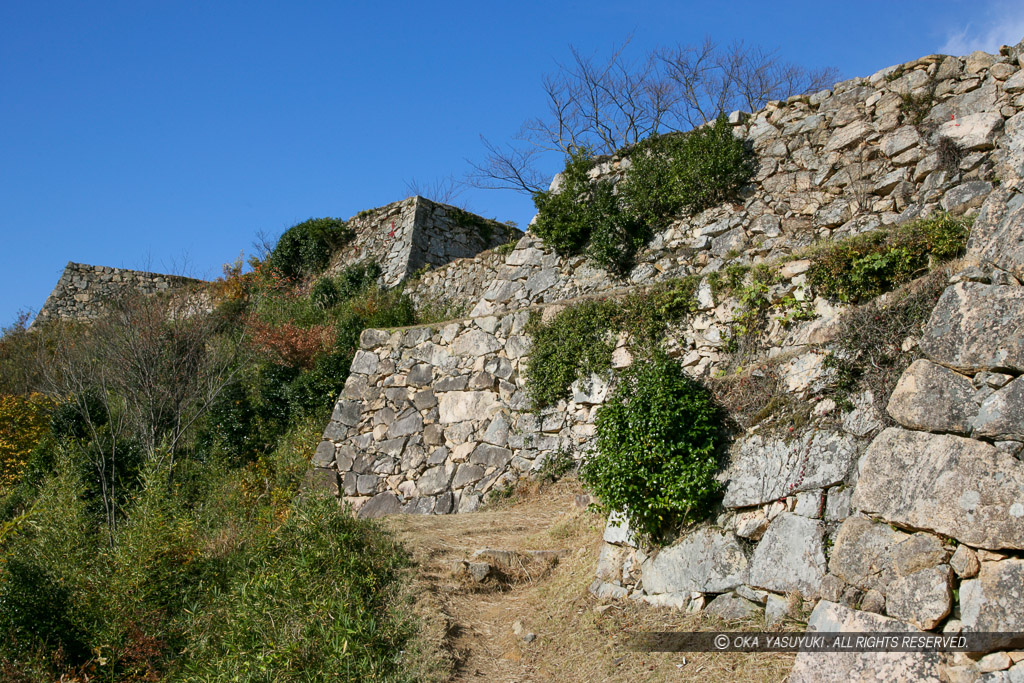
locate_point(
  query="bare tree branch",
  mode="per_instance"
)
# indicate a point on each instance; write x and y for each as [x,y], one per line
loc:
[607,104]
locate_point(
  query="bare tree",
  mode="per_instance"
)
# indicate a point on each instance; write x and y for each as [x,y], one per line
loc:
[442,190]
[146,371]
[607,104]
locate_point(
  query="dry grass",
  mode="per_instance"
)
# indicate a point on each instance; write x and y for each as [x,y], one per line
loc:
[579,638]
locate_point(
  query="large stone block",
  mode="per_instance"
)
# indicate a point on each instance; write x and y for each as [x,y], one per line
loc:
[1001,415]
[997,235]
[790,556]
[707,560]
[946,484]
[977,327]
[933,398]
[995,600]
[764,469]
[846,667]
[974,131]
[923,598]
[459,406]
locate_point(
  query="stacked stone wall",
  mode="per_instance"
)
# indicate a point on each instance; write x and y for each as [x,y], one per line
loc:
[82,289]
[416,234]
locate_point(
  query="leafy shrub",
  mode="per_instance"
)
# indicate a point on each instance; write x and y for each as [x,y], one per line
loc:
[325,577]
[358,278]
[865,266]
[325,294]
[584,217]
[657,447]
[576,342]
[23,424]
[580,339]
[305,249]
[685,173]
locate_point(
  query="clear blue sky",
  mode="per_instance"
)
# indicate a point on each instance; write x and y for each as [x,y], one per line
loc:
[166,135]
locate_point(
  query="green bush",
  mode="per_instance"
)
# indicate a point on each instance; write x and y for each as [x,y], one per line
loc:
[685,173]
[305,249]
[865,266]
[576,342]
[314,604]
[325,294]
[657,446]
[580,339]
[584,217]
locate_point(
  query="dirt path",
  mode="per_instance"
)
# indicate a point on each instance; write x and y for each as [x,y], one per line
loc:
[566,634]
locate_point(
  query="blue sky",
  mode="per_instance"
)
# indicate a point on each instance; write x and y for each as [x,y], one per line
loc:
[167,135]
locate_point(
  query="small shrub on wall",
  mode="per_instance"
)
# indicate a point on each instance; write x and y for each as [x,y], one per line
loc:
[678,174]
[306,248]
[657,446]
[584,217]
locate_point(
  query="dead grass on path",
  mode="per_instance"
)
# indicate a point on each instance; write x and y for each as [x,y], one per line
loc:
[575,640]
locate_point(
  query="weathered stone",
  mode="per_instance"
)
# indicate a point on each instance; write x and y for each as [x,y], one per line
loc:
[862,554]
[947,484]
[1001,415]
[435,480]
[732,607]
[977,327]
[764,469]
[848,135]
[433,435]
[497,431]
[776,609]
[932,398]
[347,412]
[974,131]
[751,525]
[490,456]
[475,342]
[590,390]
[965,196]
[923,598]
[617,530]
[995,600]
[899,141]
[380,505]
[371,339]
[459,406]
[997,235]
[407,426]
[367,484]
[707,561]
[424,400]
[324,455]
[467,474]
[790,556]
[421,375]
[965,562]
[609,563]
[843,667]
[364,363]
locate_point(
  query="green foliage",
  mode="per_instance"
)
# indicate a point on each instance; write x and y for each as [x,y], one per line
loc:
[325,293]
[305,249]
[556,465]
[669,175]
[580,339]
[584,217]
[575,343]
[688,173]
[657,448]
[868,351]
[313,605]
[865,266]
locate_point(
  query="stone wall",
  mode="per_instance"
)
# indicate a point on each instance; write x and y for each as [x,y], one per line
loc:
[831,164]
[81,290]
[416,233]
